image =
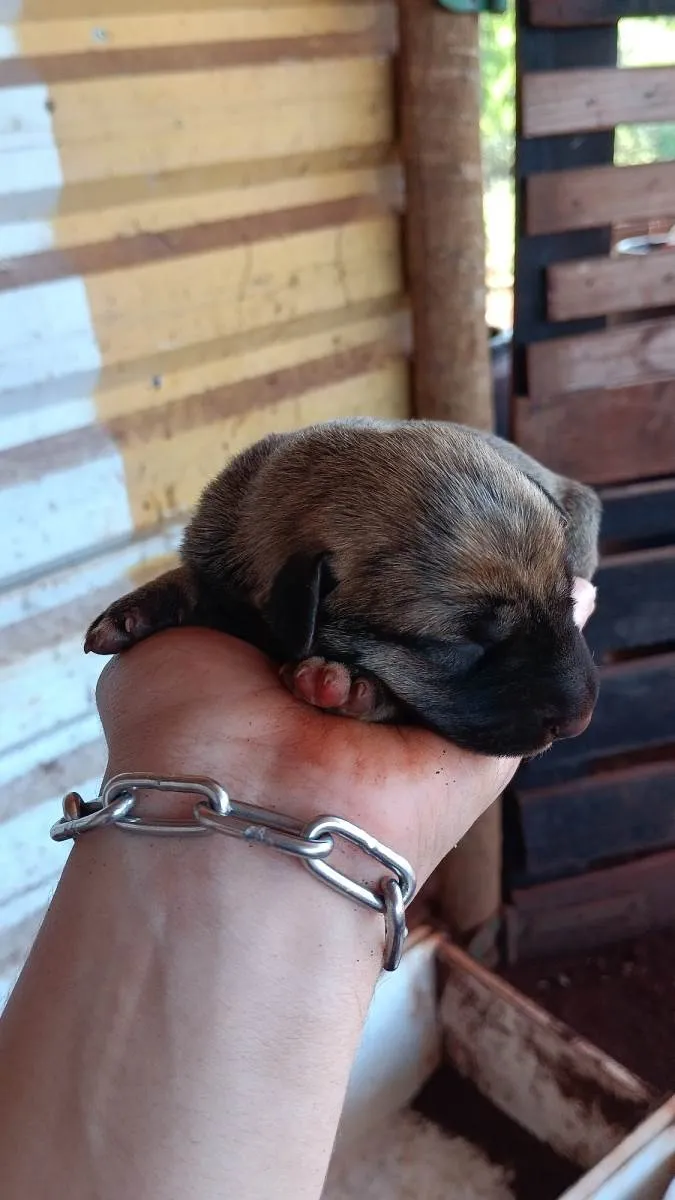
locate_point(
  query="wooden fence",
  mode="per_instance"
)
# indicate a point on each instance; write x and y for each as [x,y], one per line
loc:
[594,821]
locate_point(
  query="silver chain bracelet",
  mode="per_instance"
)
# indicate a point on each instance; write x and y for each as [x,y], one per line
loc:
[216,812]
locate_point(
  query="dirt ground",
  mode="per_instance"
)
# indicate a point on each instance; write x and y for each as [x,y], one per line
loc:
[622,998]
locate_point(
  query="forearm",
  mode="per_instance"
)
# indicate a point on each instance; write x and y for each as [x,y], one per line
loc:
[187,1021]
[205,1000]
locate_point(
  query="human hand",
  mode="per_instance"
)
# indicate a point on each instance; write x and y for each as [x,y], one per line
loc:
[193,701]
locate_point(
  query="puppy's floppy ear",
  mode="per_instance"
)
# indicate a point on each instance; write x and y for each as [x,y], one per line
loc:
[292,610]
[579,504]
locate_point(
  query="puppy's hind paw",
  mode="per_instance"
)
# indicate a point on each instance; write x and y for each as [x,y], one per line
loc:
[330,686]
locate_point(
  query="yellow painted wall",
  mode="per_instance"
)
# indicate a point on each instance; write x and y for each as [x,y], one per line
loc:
[199,243]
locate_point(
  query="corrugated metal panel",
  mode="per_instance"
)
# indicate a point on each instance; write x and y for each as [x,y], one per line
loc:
[199,242]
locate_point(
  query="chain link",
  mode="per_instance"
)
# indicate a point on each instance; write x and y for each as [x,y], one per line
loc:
[215,812]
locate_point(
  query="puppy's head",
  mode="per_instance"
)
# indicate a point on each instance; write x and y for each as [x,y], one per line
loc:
[431,562]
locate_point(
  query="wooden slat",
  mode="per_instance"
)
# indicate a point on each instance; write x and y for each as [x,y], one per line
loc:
[236,24]
[163,458]
[595,287]
[200,57]
[577,826]
[613,358]
[536,50]
[109,106]
[241,369]
[565,200]
[635,711]
[156,307]
[202,238]
[638,512]
[130,131]
[552,1083]
[99,10]
[600,907]
[555,102]
[565,14]
[605,436]
[142,208]
[637,605]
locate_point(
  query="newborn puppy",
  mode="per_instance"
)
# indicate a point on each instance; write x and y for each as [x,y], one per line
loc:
[408,571]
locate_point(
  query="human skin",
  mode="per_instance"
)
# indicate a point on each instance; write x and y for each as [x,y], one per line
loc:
[187,1019]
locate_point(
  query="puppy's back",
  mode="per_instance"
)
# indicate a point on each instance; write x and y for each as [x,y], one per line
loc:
[413,513]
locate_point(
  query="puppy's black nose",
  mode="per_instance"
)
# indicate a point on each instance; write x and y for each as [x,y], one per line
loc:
[571,729]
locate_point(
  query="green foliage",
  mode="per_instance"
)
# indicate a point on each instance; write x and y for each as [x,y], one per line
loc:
[498,66]
[645,42]
[642,42]
[644,144]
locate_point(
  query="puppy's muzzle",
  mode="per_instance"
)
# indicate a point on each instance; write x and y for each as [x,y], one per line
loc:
[571,728]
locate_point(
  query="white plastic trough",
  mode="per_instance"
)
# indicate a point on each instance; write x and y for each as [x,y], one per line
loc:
[441,1006]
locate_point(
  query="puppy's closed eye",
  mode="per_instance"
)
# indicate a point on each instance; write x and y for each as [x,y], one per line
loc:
[493,622]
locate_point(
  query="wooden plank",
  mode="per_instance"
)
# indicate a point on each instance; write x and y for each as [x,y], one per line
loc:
[566,200]
[166,474]
[142,208]
[44,410]
[83,109]
[595,287]
[604,436]
[203,238]
[562,14]
[299,127]
[188,28]
[580,825]
[147,125]
[638,512]
[591,910]
[238,361]
[158,308]
[98,10]
[635,711]
[193,299]
[555,102]
[613,358]
[67,484]
[199,57]
[58,496]
[536,50]
[186,195]
[551,1082]
[636,609]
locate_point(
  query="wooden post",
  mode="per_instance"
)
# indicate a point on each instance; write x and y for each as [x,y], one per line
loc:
[439,91]
[439,98]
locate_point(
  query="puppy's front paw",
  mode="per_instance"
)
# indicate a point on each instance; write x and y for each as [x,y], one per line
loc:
[116,629]
[330,686]
[164,603]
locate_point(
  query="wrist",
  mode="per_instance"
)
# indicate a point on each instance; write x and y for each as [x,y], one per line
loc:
[198,977]
[223,875]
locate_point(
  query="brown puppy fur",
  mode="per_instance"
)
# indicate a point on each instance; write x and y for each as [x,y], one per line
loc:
[411,571]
